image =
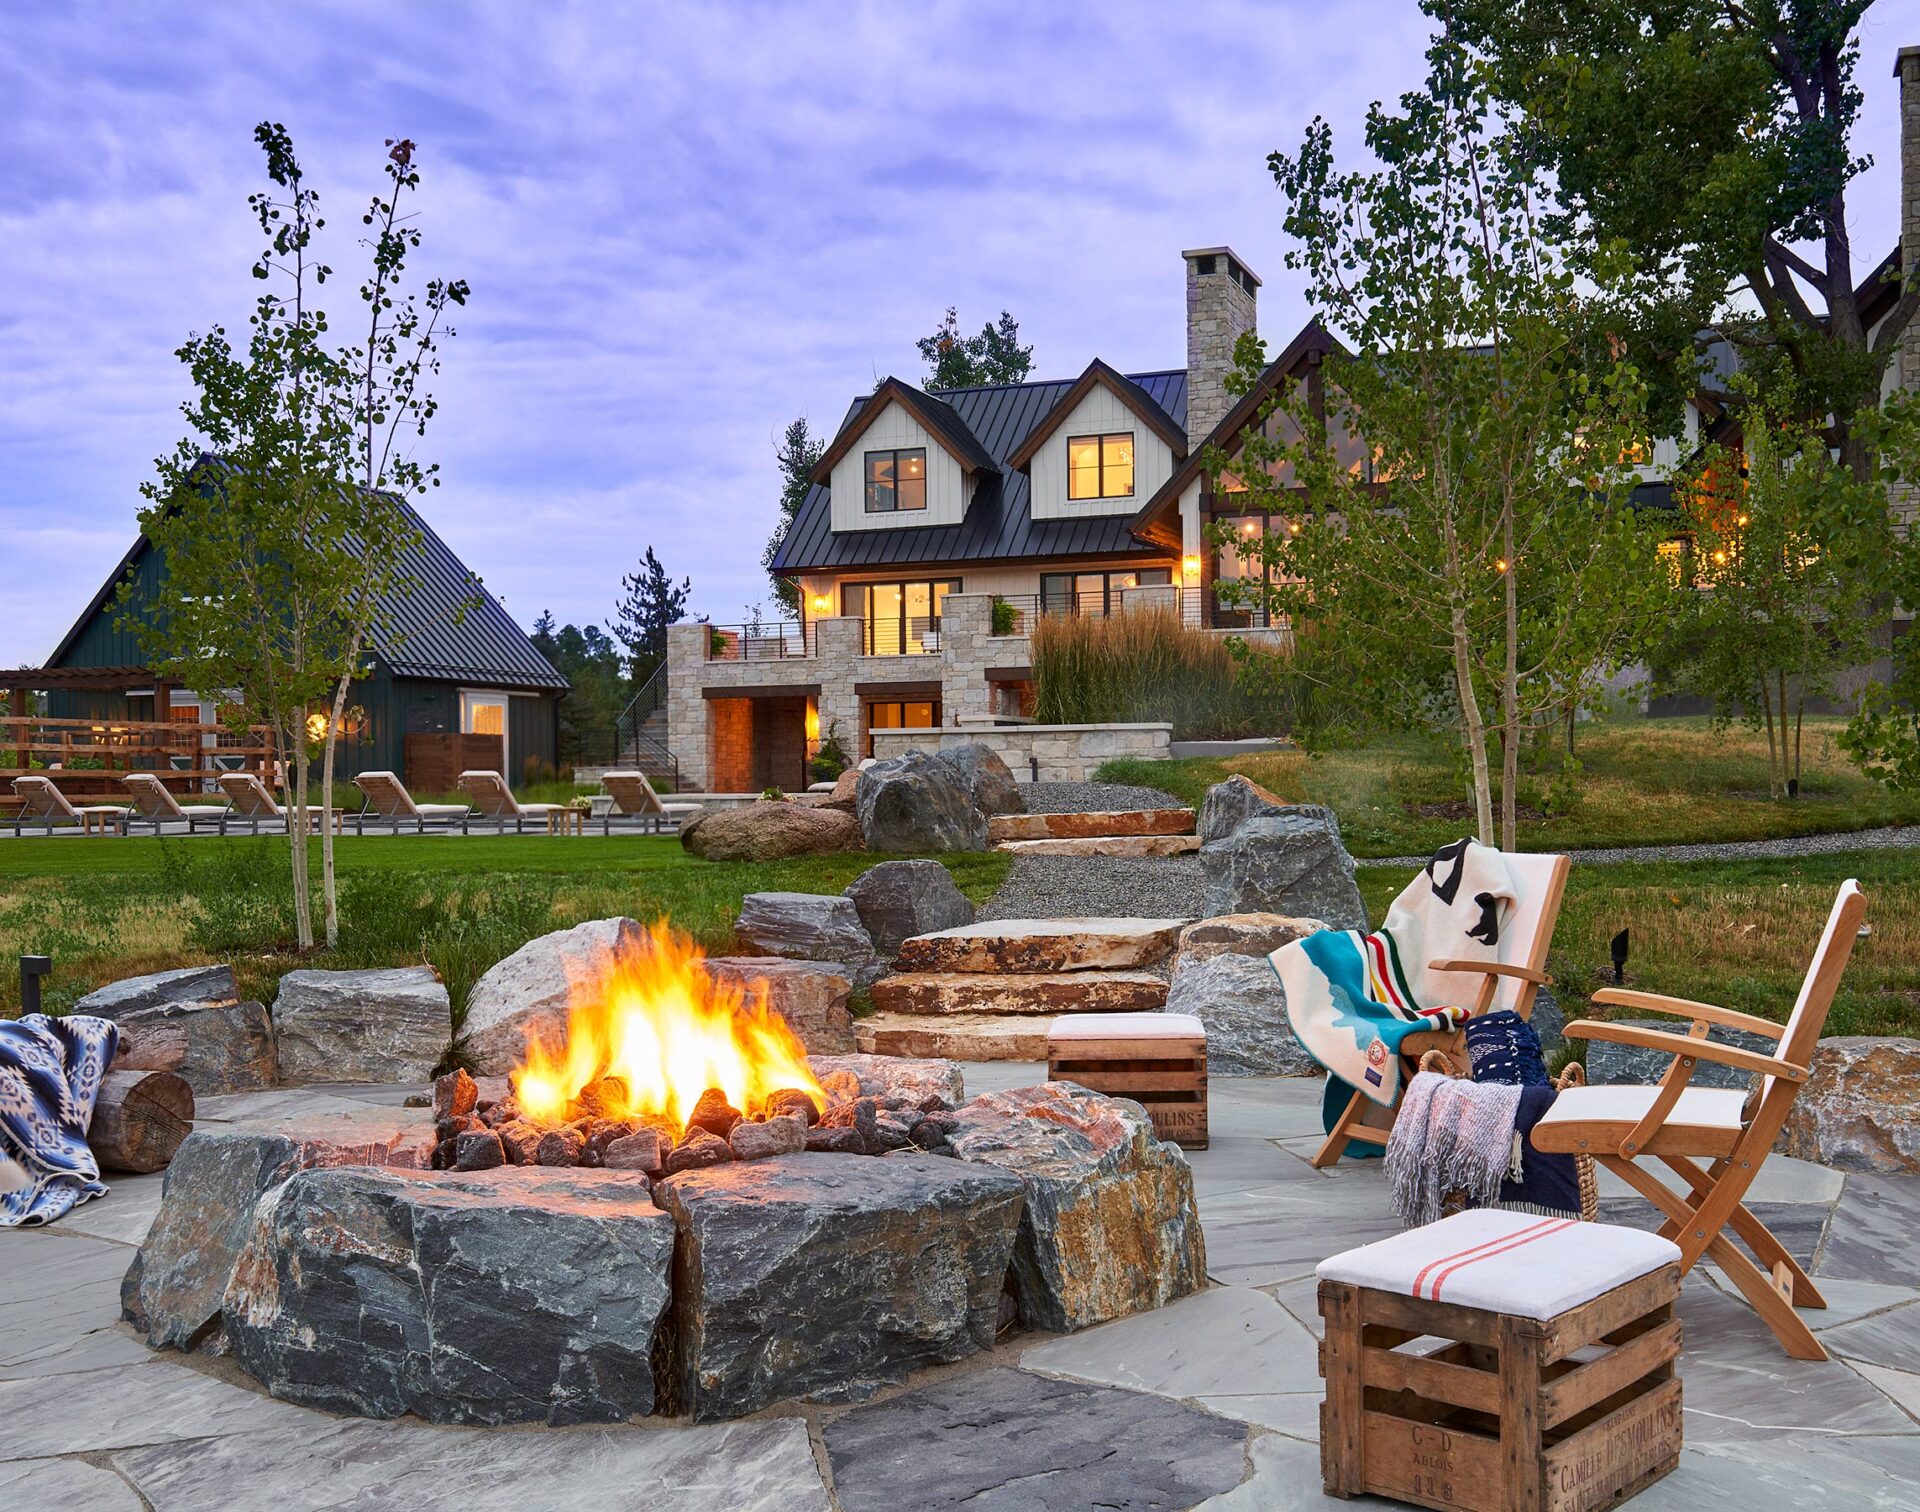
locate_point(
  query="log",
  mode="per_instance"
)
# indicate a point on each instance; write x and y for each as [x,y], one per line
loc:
[152,1044]
[139,1119]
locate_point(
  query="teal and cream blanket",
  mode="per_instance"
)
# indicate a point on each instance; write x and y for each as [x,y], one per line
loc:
[1353,997]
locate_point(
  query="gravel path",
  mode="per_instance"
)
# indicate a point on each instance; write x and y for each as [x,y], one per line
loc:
[1892,837]
[1092,798]
[1098,887]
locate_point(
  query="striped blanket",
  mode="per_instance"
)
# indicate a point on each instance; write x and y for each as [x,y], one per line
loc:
[50,1071]
[1352,997]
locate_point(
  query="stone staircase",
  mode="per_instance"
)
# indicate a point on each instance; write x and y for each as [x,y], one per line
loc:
[988,991]
[1126,832]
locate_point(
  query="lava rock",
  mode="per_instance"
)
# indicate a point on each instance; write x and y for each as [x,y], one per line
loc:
[989,783]
[700,1148]
[1230,804]
[1240,1000]
[861,1115]
[714,1113]
[809,996]
[521,1141]
[603,1097]
[642,1150]
[928,1135]
[1290,862]
[895,1264]
[559,1147]
[899,899]
[890,1132]
[769,832]
[1110,1225]
[454,1094]
[383,1025]
[840,1086]
[791,1102]
[478,1151]
[1860,1108]
[527,994]
[759,1141]
[215,1047]
[808,927]
[886,1075]
[920,803]
[517,1296]
[843,1140]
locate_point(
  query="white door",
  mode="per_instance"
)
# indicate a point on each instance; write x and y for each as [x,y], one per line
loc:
[486,714]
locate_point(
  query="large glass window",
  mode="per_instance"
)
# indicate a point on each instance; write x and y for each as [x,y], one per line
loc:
[1100,467]
[902,619]
[896,480]
[1095,593]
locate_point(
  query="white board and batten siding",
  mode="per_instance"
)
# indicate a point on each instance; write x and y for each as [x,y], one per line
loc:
[948,487]
[1099,413]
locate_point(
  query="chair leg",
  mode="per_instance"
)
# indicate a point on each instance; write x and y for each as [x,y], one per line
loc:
[1336,1141]
[1770,1252]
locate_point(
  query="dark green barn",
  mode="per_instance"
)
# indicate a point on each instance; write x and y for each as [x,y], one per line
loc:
[450,674]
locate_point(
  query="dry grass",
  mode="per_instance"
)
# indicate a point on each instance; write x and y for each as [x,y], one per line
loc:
[1140,666]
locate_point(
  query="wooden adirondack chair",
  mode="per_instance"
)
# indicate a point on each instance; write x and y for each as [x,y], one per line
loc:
[1680,1125]
[1539,882]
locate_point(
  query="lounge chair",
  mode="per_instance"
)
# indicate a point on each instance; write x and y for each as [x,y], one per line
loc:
[634,798]
[493,799]
[1539,881]
[45,805]
[155,806]
[389,801]
[1680,1125]
[254,804]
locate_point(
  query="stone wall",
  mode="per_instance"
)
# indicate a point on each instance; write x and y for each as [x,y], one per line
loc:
[1219,309]
[1065,753]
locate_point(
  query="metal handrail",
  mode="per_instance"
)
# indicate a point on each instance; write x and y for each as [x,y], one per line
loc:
[775,640]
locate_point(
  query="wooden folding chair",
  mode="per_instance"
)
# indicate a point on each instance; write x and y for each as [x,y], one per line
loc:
[1511,981]
[1680,1125]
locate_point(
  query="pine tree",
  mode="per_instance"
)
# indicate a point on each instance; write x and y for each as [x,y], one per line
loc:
[956,361]
[797,454]
[651,603]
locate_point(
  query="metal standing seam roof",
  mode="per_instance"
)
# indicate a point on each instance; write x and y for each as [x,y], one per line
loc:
[998,525]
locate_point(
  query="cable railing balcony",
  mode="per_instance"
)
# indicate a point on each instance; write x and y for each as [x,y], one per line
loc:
[771,640]
[1200,609]
[897,635]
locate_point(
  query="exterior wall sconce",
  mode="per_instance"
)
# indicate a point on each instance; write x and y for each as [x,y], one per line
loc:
[1190,568]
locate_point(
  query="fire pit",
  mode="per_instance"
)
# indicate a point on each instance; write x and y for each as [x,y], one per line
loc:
[669,1208]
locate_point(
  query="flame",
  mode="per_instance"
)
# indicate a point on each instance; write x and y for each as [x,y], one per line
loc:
[656,1020]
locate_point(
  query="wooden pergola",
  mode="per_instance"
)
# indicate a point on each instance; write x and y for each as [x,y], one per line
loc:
[85,756]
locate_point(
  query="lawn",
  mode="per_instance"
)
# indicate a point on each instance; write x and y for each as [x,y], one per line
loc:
[1642,782]
[108,909]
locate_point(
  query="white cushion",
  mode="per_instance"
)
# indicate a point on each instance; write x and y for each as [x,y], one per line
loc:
[1085,1026]
[1515,1263]
[203,810]
[1701,1107]
[436,810]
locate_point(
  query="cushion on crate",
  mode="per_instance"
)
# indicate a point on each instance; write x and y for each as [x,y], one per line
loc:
[1514,1263]
[1124,1026]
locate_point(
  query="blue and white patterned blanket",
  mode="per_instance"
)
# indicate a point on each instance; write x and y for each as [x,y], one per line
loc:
[50,1072]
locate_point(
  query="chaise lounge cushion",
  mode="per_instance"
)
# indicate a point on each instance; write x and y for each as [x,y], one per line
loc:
[1514,1263]
[1705,1118]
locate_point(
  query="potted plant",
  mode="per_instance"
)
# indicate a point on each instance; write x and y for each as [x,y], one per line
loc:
[1006,618]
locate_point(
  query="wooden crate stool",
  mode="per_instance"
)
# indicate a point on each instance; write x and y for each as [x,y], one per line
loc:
[1157,1059]
[1495,1361]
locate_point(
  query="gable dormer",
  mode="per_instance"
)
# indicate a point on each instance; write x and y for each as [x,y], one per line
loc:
[1103,448]
[905,460]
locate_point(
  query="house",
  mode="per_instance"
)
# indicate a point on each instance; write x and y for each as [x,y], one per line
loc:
[452,689]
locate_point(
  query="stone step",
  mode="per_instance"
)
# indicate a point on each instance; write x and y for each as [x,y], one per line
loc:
[1029,945]
[1105,845]
[940,993]
[965,1036]
[1167,821]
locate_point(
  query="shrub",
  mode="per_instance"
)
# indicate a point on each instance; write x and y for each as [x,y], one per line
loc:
[1006,618]
[831,759]
[1146,665]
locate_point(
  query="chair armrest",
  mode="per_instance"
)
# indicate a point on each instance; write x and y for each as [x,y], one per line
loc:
[1685,1044]
[1494,968]
[1654,1002]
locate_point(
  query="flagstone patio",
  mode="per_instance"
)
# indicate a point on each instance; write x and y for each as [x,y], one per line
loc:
[1212,1402]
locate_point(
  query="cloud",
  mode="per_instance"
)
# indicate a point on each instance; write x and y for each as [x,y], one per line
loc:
[683,224]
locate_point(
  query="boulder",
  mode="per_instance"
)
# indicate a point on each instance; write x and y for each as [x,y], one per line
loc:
[769,831]
[1240,1000]
[807,927]
[520,1296]
[896,1076]
[846,791]
[172,1292]
[988,780]
[158,989]
[1110,1226]
[1247,934]
[944,992]
[894,1263]
[1025,945]
[920,802]
[1860,1108]
[1230,804]
[1609,1064]
[810,995]
[899,899]
[1289,862]
[961,1036]
[384,1025]
[217,1047]
[528,993]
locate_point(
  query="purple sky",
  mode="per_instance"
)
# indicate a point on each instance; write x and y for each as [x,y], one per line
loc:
[684,225]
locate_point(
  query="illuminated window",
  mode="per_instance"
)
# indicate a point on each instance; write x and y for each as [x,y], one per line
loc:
[896,480]
[902,619]
[1100,467]
[1095,593]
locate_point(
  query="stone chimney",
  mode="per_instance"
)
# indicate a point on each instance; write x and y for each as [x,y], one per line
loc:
[1221,294]
[1906,69]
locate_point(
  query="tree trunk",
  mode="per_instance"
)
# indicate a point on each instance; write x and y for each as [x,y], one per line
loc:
[1773,759]
[139,1119]
[329,898]
[297,839]
[1474,727]
[1510,697]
